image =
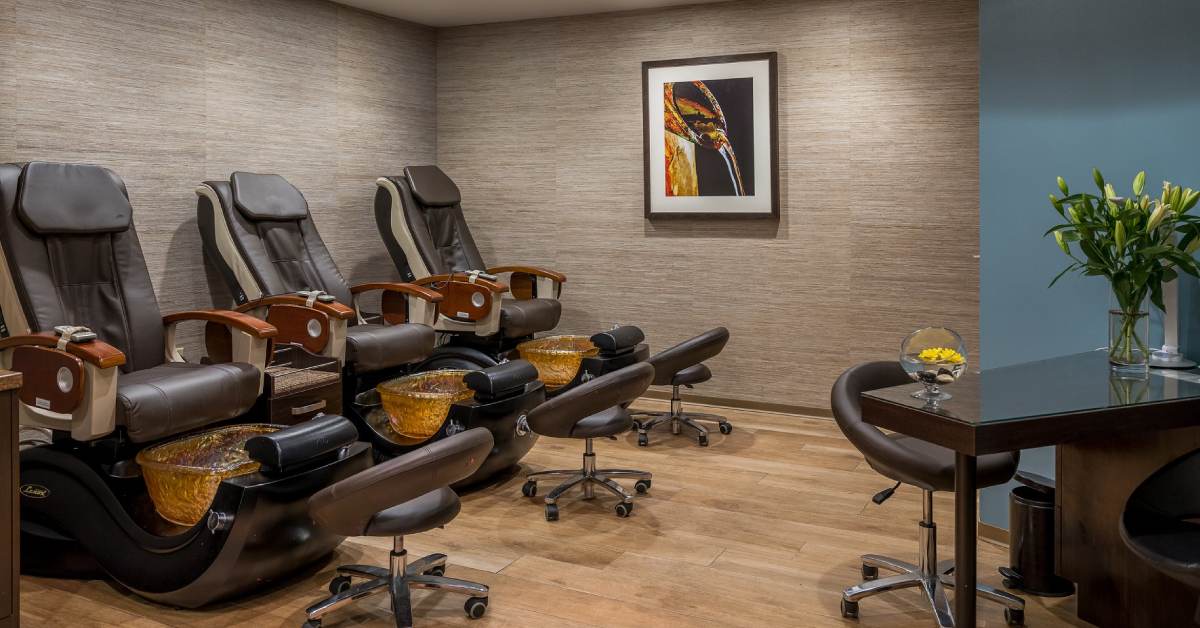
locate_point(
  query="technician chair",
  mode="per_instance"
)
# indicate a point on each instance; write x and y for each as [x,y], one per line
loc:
[683,365]
[1161,523]
[420,218]
[588,411]
[929,467]
[406,495]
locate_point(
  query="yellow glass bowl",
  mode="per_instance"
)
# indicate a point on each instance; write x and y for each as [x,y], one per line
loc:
[182,476]
[557,358]
[417,405]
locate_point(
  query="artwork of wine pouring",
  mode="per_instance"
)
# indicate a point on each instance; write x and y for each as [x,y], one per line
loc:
[716,132]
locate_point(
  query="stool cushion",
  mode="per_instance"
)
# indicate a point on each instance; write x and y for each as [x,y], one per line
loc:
[431,510]
[931,466]
[525,317]
[608,422]
[694,374]
[371,347]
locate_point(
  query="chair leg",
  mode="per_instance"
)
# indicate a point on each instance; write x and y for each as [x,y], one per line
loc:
[401,601]
[421,565]
[882,585]
[614,488]
[587,478]
[888,563]
[452,585]
[937,600]
[558,491]
[625,473]
[990,593]
[344,598]
[362,571]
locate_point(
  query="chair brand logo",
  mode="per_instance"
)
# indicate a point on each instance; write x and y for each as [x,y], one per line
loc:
[35,491]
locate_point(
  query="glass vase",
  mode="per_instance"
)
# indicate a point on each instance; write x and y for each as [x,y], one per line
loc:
[1128,334]
[935,357]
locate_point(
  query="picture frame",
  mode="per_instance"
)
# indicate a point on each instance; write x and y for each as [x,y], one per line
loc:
[697,113]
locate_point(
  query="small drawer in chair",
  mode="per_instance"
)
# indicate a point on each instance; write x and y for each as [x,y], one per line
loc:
[300,385]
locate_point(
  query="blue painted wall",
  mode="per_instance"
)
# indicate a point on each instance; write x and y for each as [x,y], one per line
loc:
[1066,85]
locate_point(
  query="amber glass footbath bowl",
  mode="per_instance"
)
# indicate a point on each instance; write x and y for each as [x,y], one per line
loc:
[417,405]
[182,476]
[557,358]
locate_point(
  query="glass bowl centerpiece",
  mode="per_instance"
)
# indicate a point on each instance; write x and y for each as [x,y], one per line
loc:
[935,357]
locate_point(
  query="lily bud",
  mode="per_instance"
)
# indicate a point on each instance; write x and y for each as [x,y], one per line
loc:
[1119,236]
[1156,218]
[1074,214]
[1139,182]
[1062,185]
[1062,244]
[1098,178]
[1109,192]
[1176,197]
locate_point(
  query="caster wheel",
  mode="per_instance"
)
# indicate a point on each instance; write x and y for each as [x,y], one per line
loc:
[312,623]
[726,428]
[624,510]
[551,512]
[703,440]
[642,486]
[476,607]
[529,489]
[849,609]
[1014,617]
[643,440]
[869,572]
[1009,583]
[439,571]
[339,584]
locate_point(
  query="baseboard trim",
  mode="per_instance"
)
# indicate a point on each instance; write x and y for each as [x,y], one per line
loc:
[993,534]
[743,404]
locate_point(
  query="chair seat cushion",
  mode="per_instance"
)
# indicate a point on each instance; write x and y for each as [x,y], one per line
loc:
[525,317]
[694,374]
[371,347]
[1170,544]
[431,510]
[931,467]
[176,397]
[606,423]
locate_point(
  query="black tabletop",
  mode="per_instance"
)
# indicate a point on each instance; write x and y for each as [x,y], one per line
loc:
[1039,403]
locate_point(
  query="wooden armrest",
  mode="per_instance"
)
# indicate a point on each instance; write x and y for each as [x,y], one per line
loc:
[494,286]
[332,309]
[404,288]
[95,352]
[531,270]
[228,318]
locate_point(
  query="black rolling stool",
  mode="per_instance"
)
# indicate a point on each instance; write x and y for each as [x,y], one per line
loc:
[405,495]
[929,467]
[683,365]
[1161,523]
[587,411]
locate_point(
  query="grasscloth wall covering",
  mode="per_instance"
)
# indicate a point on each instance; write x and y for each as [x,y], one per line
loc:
[172,92]
[540,123]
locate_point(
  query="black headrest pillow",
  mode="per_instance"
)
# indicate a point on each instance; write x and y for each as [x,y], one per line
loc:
[72,199]
[431,186]
[267,197]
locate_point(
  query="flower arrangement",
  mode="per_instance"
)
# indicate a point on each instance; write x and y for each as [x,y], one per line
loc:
[940,355]
[1137,243]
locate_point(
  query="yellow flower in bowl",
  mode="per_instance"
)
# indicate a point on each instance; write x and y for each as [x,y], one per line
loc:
[940,355]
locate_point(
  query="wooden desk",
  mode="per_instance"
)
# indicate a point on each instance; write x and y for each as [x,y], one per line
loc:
[10,528]
[1062,401]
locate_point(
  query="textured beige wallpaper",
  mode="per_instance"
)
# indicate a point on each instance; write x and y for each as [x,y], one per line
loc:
[171,92]
[540,124]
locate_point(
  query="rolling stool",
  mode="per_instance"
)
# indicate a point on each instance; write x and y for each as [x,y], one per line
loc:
[587,411]
[1160,522]
[405,495]
[682,365]
[930,468]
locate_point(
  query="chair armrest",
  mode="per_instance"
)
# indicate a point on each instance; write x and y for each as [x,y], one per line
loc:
[530,270]
[494,286]
[234,320]
[470,299]
[97,353]
[431,296]
[333,310]
[401,302]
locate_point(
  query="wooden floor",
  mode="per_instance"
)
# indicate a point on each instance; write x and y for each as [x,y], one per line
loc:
[762,528]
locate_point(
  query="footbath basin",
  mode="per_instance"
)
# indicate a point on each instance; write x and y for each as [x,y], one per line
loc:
[557,358]
[417,405]
[182,476]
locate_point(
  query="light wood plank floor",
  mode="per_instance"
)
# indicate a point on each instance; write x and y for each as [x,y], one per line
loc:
[762,528]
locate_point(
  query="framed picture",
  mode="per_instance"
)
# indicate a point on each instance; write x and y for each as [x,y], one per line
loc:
[710,137]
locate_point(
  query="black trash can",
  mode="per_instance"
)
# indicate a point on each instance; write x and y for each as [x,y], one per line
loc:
[1031,539]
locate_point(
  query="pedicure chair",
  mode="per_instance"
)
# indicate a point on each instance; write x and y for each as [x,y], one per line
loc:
[420,218]
[258,232]
[105,382]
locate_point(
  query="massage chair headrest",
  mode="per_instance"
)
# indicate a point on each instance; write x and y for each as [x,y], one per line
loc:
[502,380]
[267,197]
[618,340]
[72,199]
[431,186]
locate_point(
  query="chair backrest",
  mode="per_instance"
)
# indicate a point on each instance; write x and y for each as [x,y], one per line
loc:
[420,219]
[692,351]
[847,408]
[257,230]
[558,415]
[72,257]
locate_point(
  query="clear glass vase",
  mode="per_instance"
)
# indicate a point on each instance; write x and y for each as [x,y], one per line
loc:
[1128,335]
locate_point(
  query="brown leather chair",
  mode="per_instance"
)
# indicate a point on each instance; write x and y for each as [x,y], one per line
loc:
[72,259]
[420,218]
[929,467]
[405,495]
[588,411]
[683,365]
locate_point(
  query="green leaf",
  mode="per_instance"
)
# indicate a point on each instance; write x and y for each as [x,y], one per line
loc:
[1139,183]
[1098,178]
[1060,275]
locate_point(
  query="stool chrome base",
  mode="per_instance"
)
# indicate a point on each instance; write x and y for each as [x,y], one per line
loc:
[930,576]
[397,579]
[645,421]
[588,478]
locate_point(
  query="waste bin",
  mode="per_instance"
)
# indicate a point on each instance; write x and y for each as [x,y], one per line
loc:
[1031,539]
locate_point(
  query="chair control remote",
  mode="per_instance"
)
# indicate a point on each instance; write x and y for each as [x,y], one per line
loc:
[78,334]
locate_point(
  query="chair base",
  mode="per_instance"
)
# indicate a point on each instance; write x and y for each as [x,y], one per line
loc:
[645,421]
[397,580]
[930,576]
[588,478]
